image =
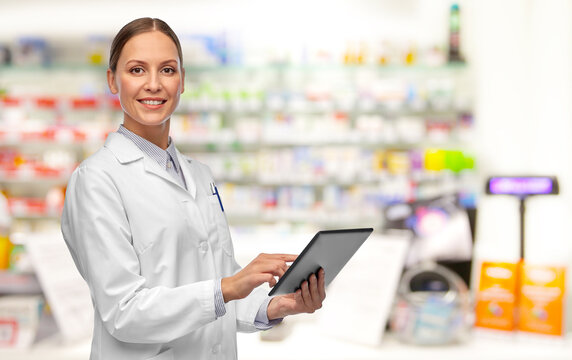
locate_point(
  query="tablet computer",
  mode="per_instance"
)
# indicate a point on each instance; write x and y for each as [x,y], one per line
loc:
[330,250]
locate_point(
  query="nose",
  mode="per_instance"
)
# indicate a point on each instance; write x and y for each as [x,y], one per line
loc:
[153,82]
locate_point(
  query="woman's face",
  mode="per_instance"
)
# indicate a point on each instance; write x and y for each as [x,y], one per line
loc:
[149,79]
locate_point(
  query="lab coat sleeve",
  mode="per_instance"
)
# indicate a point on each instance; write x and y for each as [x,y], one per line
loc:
[247,308]
[97,232]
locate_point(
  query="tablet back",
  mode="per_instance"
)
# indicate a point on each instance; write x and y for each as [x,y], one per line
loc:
[329,249]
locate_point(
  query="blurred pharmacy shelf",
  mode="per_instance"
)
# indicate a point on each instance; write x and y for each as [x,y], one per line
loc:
[299,143]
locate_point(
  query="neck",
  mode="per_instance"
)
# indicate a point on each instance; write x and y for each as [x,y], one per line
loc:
[157,134]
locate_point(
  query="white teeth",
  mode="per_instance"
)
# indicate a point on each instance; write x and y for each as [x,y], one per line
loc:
[152,102]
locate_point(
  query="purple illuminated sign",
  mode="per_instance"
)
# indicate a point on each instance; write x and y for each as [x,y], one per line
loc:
[521,185]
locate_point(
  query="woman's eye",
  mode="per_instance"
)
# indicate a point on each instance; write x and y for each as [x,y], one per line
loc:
[136,70]
[169,70]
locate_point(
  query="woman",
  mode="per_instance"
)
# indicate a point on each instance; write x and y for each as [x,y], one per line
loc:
[147,231]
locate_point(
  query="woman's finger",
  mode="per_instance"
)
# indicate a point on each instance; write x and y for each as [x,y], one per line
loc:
[306,297]
[274,267]
[275,263]
[283,257]
[298,297]
[322,284]
[314,294]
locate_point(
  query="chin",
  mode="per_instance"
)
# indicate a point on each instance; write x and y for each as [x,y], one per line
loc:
[152,122]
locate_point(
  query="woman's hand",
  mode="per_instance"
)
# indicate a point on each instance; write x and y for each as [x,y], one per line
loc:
[307,299]
[262,269]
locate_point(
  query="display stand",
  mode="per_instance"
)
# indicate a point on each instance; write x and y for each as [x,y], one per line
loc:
[522,187]
[538,290]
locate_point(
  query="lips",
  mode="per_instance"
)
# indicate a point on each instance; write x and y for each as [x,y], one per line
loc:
[152,102]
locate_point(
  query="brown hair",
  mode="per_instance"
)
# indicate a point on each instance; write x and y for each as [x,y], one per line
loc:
[136,27]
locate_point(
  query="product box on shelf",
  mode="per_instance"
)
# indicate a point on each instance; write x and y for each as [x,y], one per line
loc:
[496,296]
[520,296]
[541,299]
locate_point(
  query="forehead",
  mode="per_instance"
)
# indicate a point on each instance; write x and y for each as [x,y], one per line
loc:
[152,45]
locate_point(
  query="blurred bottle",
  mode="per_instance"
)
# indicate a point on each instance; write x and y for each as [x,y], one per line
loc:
[98,47]
[454,35]
[411,55]
[5,222]
[362,54]
[383,56]
[5,55]
[350,55]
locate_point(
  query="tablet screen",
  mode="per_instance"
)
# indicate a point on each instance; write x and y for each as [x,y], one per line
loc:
[328,249]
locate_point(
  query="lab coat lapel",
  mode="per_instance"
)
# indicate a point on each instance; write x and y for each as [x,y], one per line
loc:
[189,178]
[154,168]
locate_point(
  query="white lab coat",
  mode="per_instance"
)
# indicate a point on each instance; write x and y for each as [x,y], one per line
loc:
[150,252]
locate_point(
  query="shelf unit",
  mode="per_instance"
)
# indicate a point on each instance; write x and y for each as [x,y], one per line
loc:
[299,143]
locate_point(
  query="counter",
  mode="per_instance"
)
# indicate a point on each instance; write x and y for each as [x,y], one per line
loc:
[305,342]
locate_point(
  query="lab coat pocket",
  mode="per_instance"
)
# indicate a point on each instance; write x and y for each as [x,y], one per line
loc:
[165,355]
[196,226]
[221,224]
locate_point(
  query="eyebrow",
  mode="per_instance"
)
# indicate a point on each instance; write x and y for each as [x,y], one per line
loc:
[136,61]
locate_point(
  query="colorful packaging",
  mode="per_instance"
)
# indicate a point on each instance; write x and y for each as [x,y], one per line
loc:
[541,299]
[19,320]
[496,297]
[5,249]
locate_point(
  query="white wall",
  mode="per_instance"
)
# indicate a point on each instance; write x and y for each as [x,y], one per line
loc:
[522,58]
[294,20]
[278,24]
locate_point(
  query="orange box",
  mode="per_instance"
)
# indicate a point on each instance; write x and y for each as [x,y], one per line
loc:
[5,249]
[541,299]
[496,297]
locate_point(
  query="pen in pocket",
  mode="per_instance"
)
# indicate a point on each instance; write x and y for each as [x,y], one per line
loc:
[214,191]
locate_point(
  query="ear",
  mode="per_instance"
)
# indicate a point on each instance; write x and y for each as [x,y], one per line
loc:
[111,82]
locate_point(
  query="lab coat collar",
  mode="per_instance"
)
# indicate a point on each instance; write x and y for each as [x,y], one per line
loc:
[124,149]
[126,152]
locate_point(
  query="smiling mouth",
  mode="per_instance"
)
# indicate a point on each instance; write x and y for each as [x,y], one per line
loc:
[152,102]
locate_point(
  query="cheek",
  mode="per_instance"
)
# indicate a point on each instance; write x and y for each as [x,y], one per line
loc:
[175,87]
[127,89]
